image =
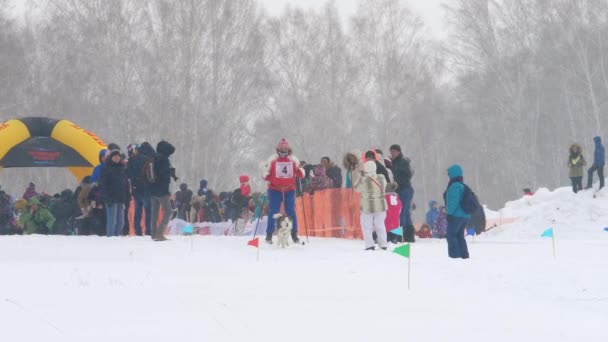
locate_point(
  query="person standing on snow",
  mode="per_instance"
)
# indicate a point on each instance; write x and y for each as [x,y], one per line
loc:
[394,207]
[281,177]
[114,187]
[159,190]
[184,202]
[373,205]
[599,160]
[457,217]
[576,163]
[403,174]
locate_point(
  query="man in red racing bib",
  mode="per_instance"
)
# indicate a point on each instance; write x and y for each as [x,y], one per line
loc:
[281,177]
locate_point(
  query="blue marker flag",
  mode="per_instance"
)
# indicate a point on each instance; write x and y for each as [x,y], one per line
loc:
[398,231]
[188,229]
[471,231]
[547,233]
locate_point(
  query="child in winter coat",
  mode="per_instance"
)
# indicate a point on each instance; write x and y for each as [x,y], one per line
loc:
[441,224]
[425,232]
[393,213]
[431,215]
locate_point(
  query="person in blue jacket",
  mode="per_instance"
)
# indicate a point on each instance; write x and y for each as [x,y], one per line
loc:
[457,217]
[97,170]
[599,160]
[431,215]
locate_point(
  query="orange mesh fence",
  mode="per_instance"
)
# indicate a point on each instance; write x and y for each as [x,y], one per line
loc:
[330,213]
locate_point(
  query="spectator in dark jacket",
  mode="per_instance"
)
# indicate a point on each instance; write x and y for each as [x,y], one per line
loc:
[183,199]
[333,172]
[599,161]
[211,208]
[239,199]
[114,188]
[65,210]
[202,188]
[141,193]
[403,176]
[159,189]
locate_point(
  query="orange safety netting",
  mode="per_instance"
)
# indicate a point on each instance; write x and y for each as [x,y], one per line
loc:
[330,213]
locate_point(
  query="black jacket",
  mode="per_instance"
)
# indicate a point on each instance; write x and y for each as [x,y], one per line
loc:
[135,172]
[335,174]
[64,209]
[114,183]
[381,170]
[162,170]
[402,173]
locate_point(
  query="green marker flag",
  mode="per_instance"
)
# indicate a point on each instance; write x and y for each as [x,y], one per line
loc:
[404,250]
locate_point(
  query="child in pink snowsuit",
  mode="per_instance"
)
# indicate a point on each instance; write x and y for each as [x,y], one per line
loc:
[393,213]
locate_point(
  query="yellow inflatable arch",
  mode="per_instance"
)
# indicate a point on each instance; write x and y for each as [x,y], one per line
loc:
[44,142]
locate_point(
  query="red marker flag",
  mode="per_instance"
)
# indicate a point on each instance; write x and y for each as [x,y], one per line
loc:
[255,243]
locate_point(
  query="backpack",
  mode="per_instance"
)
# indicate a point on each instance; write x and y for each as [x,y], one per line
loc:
[469,202]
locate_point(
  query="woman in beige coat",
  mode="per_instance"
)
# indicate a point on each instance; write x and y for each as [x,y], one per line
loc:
[373,205]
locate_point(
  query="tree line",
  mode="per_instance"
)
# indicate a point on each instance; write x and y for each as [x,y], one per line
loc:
[511,86]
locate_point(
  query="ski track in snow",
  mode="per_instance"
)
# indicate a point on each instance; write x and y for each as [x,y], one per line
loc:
[131,289]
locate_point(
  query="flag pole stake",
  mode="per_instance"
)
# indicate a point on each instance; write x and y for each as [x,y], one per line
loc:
[409,269]
[553,241]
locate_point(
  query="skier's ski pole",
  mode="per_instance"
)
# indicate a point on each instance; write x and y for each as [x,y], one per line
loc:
[255,232]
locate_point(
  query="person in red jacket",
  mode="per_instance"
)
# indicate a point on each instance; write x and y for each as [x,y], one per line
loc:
[393,213]
[425,232]
[281,177]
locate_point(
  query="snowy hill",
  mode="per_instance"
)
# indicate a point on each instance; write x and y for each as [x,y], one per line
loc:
[581,216]
[131,289]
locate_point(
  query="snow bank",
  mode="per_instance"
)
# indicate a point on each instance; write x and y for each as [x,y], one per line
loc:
[210,288]
[572,216]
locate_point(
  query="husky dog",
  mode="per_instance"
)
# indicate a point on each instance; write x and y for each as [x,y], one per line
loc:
[284,226]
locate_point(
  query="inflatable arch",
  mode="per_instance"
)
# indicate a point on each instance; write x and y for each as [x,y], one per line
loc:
[44,142]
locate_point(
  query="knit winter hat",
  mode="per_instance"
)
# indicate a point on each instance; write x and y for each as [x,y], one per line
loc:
[283,145]
[244,179]
[370,167]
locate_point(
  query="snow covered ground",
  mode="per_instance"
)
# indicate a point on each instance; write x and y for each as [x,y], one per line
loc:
[131,289]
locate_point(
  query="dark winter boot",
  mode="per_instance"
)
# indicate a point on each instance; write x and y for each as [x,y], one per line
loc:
[372,248]
[409,234]
[269,238]
[294,237]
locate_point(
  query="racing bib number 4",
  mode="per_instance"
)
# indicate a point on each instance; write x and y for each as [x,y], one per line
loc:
[284,170]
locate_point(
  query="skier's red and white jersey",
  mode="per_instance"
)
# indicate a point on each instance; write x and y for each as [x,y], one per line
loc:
[283,174]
